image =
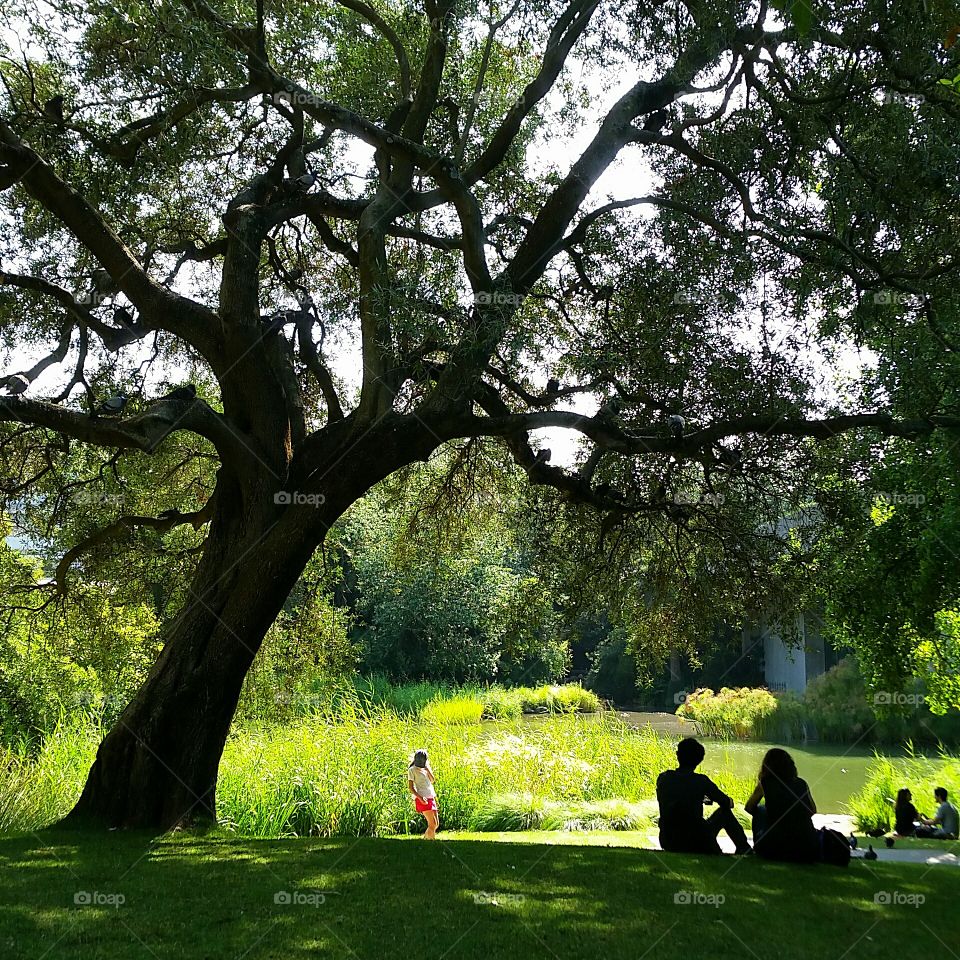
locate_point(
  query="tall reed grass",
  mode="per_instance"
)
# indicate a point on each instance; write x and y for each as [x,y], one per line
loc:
[494,701]
[39,787]
[346,775]
[744,713]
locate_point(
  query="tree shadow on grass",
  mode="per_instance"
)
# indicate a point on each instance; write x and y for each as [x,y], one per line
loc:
[78,895]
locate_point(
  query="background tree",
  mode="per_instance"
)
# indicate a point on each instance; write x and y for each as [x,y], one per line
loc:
[368,230]
[887,566]
[452,595]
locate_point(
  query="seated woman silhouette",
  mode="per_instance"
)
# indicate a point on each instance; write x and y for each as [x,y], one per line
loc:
[905,815]
[782,811]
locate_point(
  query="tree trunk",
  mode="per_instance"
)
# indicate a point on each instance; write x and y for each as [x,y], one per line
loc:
[157,768]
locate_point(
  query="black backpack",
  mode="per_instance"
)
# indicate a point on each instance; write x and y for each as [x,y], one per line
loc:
[834,847]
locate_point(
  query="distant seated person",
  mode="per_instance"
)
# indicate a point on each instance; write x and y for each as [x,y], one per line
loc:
[945,823]
[905,815]
[681,794]
[782,811]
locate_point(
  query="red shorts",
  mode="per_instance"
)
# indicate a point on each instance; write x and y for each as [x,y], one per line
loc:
[424,805]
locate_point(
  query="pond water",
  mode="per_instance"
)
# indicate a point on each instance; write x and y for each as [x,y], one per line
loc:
[834,771]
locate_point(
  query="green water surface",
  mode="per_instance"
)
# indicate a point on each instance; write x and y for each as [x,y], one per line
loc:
[834,771]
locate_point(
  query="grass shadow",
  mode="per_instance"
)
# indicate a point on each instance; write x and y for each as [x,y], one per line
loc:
[71,895]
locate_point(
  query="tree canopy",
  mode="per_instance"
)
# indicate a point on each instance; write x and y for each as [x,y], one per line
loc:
[351,232]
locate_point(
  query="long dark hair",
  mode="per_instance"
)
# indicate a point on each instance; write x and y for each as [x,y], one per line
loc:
[903,798]
[777,765]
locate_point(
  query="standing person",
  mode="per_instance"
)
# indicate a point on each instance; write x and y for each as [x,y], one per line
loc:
[681,794]
[905,814]
[945,823]
[781,801]
[420,780]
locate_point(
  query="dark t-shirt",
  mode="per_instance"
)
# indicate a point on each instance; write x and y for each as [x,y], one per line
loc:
[789,833]
[680,794]
[905,814]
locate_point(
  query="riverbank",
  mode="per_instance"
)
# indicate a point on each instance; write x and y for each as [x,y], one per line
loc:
[343,775]
[938,853]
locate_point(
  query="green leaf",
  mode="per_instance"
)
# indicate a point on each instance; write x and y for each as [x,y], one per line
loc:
[799,12]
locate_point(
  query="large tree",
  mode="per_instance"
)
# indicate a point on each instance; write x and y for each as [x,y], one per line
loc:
[275,196]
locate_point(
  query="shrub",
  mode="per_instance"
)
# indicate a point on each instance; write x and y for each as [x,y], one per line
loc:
[307,654]
[788,722]
[613,667]
[842,708]
[742,713]
[836,702]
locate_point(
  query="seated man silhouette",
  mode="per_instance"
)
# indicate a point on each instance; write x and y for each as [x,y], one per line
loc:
[681,794]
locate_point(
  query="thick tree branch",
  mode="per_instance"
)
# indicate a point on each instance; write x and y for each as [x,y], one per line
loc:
[544,237]
[125,143]
[144,431]
[113,338]
[575,486]
[311,358]
[565,33]
[431,73]
[608,436]
[121,528]
[159,308]
[333,242]
[318,203]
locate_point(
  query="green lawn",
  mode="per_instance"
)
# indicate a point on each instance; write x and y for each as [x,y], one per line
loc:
[915,843]
[205,898]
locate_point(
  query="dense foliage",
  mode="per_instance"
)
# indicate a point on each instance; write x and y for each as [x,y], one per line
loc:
[450,595]
[886,566]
